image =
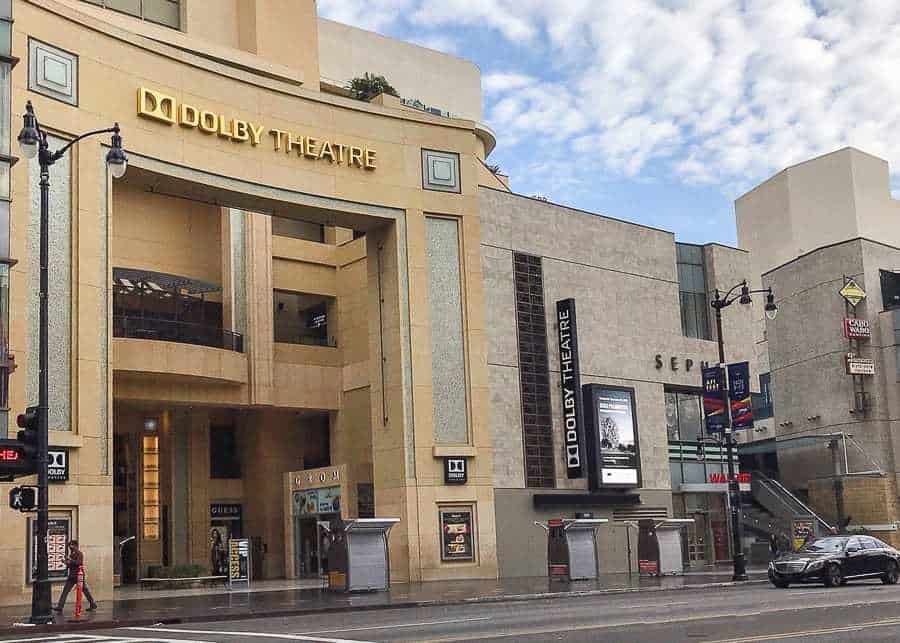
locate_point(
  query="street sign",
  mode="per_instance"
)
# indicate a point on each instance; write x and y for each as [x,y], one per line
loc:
[857,328]
[860,365]
[852,293]
[23,498]
[58,469]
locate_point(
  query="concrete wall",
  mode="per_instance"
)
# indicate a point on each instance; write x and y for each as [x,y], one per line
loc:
[813,394]
[435,78]
[624,281]
[828,199]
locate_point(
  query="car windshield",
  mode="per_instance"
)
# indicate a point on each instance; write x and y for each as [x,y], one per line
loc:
[827,545]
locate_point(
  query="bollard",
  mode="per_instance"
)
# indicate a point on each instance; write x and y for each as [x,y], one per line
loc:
[79,591]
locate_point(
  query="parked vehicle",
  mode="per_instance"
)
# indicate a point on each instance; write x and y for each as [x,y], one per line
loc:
[834,560]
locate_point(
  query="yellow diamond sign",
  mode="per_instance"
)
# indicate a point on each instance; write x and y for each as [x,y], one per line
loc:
[852,293]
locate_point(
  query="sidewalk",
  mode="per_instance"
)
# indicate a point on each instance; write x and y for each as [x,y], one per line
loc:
[257,603]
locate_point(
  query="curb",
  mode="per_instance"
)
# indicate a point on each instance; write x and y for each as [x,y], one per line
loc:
[337,609]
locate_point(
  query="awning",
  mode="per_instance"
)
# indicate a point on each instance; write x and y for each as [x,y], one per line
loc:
[160,282]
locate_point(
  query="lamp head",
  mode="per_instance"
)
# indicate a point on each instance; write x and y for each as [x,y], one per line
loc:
[771,308]
[29,138]
[116,159]
[745,295]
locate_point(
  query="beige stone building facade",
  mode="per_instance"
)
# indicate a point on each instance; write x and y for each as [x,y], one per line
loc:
[262,293]
[297,306]
[810,230]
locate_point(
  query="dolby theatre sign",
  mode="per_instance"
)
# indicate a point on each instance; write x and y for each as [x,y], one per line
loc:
[160,107]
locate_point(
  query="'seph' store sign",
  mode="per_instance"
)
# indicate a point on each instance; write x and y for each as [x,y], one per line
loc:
[160,107]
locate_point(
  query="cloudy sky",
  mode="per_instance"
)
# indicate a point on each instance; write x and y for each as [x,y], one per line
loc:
[663,111]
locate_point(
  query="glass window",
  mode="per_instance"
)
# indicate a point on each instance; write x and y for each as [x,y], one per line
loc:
[692,291]
[164,12]
[869,543]
[672,415]
[684,415]
[5,38]
[224,458]
[5,129]
[131,7]
[300,318]
[5,8]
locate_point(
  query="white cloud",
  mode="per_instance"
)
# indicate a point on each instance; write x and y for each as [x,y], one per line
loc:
[711,91]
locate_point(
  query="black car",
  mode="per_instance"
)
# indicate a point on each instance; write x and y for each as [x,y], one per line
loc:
[834,560]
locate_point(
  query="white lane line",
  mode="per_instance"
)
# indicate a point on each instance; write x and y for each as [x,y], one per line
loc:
[62,638]
[391,627]
[830,630]
[265,635]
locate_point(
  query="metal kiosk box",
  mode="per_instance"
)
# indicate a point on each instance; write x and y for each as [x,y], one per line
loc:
[572,548]
[358,559]
[659,546]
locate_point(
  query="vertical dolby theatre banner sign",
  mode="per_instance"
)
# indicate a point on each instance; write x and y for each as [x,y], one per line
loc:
[739,389]
[612,436]
[570,387]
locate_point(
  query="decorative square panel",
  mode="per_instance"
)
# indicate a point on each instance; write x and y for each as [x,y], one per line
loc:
[440,171]
[52,72]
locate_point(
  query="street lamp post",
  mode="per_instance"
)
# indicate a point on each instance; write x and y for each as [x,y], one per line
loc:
[33,142]
[734,489]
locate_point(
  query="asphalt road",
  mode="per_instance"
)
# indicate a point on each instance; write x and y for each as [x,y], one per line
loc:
[857,612]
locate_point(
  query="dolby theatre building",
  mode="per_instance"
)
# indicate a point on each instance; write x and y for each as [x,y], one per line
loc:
[297,305]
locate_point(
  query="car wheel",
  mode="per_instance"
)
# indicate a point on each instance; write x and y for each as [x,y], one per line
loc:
[891,574]
[832,575]
[780,584]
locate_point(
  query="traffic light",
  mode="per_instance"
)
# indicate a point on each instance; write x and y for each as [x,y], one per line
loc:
[20,457]
[28,436]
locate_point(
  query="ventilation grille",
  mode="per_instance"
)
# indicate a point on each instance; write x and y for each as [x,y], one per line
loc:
[640,513]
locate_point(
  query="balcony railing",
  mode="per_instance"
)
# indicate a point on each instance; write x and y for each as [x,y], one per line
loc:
[177,331]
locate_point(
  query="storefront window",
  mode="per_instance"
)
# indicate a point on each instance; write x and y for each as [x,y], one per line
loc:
[684,415]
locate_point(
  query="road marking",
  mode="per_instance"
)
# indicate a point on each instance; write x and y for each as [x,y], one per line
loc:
[265,635]
[88,638]
[390,627]
[830,630]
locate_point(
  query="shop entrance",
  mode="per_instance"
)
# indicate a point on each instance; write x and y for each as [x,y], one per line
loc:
[313,545]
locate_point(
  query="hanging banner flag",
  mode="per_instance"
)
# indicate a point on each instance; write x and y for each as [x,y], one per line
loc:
[713,399]
[739,389]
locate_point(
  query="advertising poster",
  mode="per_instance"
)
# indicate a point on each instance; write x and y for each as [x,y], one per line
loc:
[801,531]
[59,532]
[739,385]
[218,537]
[614,436]
[239,560]
[456,535]
[713,399]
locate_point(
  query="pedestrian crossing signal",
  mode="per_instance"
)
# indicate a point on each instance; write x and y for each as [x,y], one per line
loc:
[23,498]
[15,460]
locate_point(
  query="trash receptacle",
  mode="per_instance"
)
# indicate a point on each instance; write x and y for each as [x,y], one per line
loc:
[659,546]
[572,547]
[359,559]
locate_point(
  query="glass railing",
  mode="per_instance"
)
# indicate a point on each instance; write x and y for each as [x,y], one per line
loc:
[177,331]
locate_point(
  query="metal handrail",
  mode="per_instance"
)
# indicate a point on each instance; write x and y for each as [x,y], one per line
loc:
[181,332]
[785,492]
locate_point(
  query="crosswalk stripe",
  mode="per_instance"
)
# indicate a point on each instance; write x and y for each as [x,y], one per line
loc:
[265,635]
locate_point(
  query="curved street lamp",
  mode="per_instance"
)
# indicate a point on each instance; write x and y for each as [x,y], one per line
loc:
[33,143]
[734,489]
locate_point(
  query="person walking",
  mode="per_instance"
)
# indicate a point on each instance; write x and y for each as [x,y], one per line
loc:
[773,544]
[74,562]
